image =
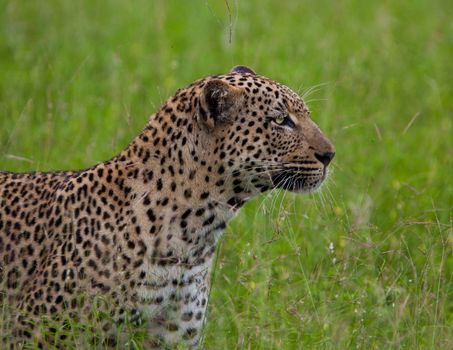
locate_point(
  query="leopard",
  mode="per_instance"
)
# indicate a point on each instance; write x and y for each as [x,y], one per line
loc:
[142,228]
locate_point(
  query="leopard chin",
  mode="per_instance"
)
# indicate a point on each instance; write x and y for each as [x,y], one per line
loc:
[298,182]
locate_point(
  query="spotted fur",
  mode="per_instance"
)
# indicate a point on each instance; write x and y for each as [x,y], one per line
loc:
[141,229]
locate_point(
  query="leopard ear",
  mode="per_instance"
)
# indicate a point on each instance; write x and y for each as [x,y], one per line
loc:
[242,70]
[217,103]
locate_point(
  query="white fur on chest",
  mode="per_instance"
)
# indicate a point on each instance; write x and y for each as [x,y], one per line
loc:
[168,286]
[187,275]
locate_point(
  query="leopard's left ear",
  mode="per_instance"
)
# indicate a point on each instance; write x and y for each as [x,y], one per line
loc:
[242,69]
[217,103]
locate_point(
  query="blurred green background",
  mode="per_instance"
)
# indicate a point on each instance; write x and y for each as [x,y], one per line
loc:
[365,263]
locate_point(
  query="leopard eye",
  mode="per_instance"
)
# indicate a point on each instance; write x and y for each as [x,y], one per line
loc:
[284,120]
[280,119]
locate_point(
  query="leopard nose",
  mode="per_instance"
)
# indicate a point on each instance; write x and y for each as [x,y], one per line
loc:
[325,158]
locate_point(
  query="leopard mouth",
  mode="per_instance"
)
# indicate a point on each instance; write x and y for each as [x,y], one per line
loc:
[297,181]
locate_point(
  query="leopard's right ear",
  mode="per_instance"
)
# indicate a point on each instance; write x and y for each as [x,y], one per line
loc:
[217,103]
[242,70]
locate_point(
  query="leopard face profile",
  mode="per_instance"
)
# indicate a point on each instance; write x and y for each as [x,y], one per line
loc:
[141,229]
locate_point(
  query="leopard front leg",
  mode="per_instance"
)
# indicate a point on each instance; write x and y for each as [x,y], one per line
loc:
[182,321]
[193,309]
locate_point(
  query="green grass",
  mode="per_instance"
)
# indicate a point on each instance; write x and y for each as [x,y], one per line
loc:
[367,262]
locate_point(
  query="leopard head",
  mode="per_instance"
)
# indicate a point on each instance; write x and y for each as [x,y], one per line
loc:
[263,131]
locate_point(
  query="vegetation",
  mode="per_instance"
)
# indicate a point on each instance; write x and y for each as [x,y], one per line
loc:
[365,263]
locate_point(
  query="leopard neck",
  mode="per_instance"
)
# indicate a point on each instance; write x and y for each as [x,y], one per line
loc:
[179,187]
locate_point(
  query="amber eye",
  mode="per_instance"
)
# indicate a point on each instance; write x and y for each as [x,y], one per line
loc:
[280,119]
[284,120]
